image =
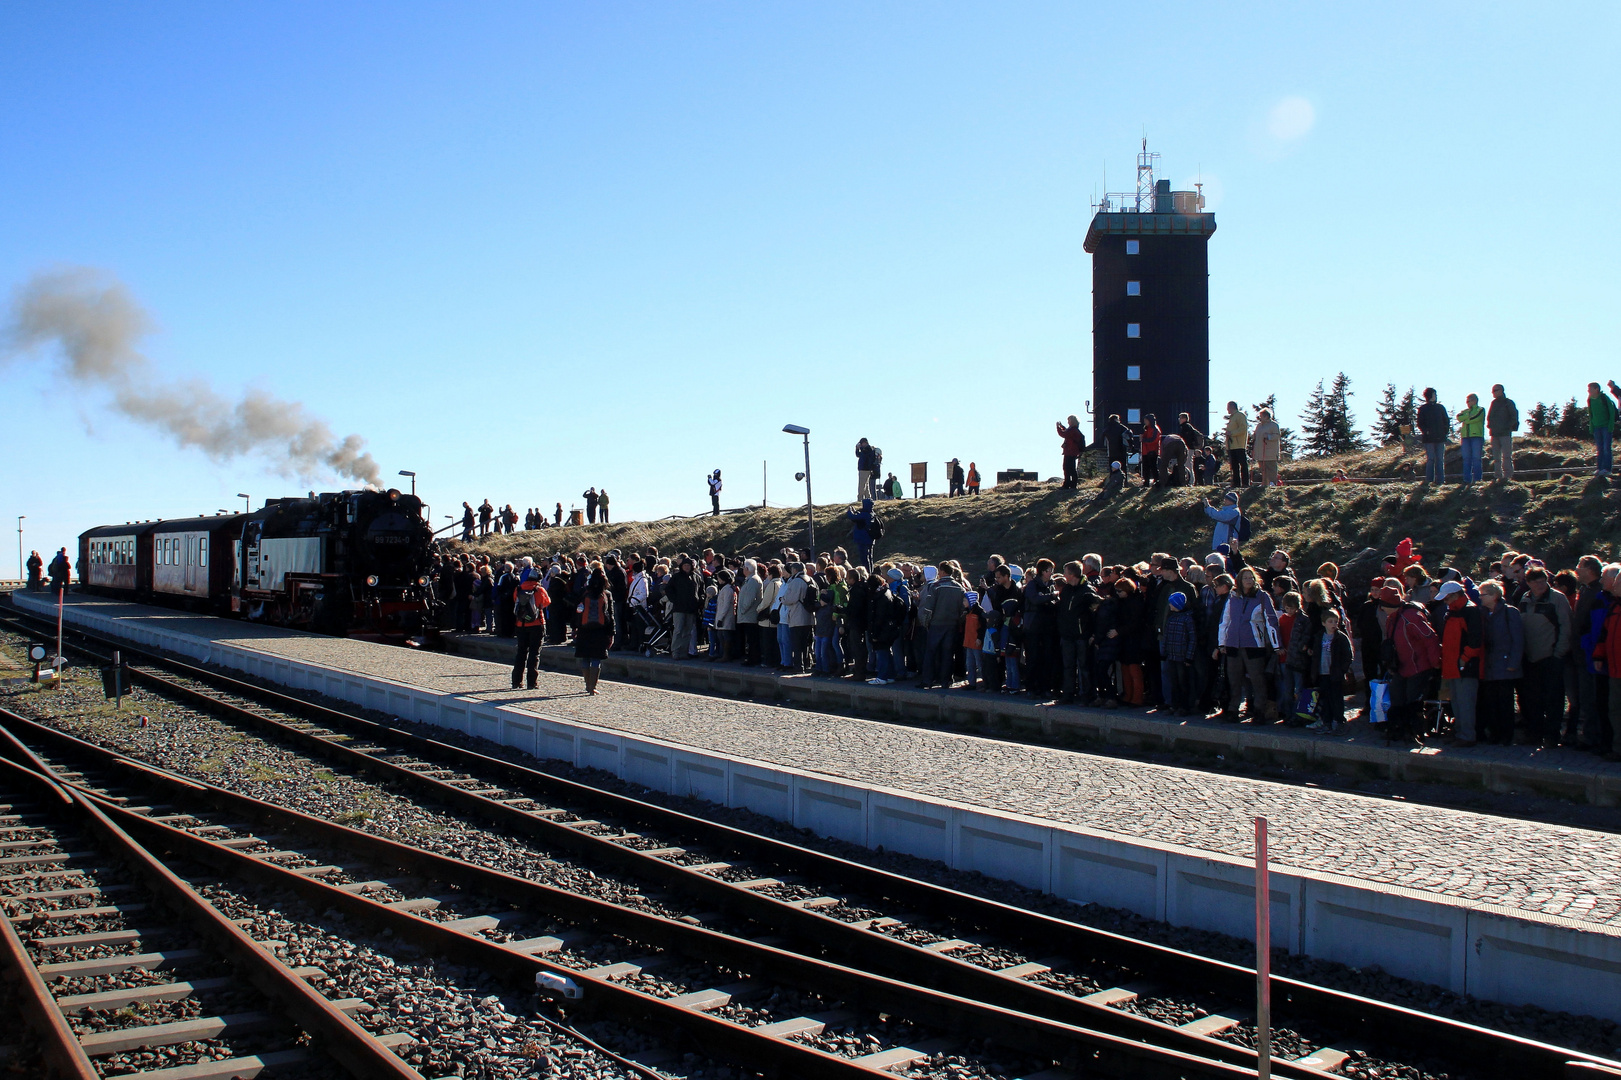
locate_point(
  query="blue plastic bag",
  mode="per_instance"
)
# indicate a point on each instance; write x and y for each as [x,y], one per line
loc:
[1378,701]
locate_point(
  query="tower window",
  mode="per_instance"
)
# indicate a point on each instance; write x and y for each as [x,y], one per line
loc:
[1134,329]
[1132,247]
[1134,416]
[1134,373]
[1134,288]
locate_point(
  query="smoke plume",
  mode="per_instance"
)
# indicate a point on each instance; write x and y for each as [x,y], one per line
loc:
[94,323]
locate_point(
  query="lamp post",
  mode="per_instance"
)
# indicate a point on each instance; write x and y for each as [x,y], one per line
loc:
[810,514]
[243,496]
[413,476]
[20,575]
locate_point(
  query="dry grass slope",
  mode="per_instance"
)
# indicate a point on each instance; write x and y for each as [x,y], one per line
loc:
[1351,524]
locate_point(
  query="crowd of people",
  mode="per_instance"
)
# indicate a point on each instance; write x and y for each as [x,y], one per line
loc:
[480,522]
[1527,654]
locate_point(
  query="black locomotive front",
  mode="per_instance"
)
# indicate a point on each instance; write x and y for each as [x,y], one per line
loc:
[389,549]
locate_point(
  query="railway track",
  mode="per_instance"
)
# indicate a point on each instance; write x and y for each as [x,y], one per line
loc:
[818,904]
[122,967]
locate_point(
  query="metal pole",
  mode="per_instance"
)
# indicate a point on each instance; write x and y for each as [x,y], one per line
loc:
[763,503]
[810,511]
[118,679]
[61,598]
[1263,956]
[20,575]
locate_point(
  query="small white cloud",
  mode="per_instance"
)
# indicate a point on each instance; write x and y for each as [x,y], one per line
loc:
[1291,119]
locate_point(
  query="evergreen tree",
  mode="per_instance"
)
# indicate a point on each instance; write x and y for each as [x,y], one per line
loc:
[1409,409]
[1572,421]
[1387,417]
[1327,422]
[1540,420]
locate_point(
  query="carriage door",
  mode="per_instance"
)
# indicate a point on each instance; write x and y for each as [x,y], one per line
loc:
[193,566]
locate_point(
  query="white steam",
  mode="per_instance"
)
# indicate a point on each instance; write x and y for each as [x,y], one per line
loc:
[94,323]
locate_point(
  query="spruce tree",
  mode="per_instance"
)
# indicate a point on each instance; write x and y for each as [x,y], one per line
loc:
[1572,421]
[1540,419]
[1327,422]
[1387,417]
[1409,409]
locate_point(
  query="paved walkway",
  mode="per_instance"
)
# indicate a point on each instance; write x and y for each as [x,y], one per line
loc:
[1549,869]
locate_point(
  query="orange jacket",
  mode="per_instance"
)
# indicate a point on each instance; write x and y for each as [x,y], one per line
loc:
[542,601]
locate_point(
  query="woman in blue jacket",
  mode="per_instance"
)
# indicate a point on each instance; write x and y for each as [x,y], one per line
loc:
[1226,519]
[1247,639]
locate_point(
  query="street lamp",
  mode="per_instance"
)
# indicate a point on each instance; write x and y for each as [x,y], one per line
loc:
[20,575]
[243,496]
[810,514]
[413,476]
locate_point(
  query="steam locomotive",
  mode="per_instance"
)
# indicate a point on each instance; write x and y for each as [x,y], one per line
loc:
[349,563]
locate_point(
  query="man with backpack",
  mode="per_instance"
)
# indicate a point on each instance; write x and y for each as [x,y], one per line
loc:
[868,461]
[1232,528]
[1412,655]
[865,527]
[529,605]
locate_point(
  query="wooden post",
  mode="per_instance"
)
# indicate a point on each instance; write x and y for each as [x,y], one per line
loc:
[1263,956]
[61,598]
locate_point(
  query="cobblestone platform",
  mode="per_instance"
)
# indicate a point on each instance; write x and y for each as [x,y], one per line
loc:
[1117,811]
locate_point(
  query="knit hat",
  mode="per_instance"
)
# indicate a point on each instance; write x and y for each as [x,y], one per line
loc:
[1232,497]
[894,574]
[1178,601]
[1389,594]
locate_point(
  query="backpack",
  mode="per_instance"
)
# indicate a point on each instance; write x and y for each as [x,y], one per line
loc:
[876,529]
[1243,528]
[593,612]
[812,599]
[526,609]
[877,460]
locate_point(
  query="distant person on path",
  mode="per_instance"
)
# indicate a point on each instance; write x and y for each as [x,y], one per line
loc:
[486,513]
[1238,440]
[60,570]
[1150,449]
[36,567]
[1074,446]
[468,522]
[714,493]
[557,517]
[602,505]
[1502,421]
[1115,437]
[1472,438]
[958,480]
[892,488]
[973,478]
[1432,431]
[528,616]
[867,465]
[590,497]
[1268,447]
[1601,419]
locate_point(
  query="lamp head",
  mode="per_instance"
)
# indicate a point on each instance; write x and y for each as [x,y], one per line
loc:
[795,429]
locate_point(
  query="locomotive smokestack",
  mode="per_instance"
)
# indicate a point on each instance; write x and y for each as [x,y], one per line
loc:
[91,317]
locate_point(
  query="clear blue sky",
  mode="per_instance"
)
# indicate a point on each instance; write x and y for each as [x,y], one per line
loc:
[526,248]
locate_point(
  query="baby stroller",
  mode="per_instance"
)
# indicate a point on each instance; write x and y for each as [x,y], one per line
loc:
[654,630]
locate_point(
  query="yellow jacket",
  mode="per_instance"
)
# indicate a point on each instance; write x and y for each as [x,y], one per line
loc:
[1472,423]
[1238,430]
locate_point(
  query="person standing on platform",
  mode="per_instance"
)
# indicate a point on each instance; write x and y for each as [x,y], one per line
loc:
[590,497]
[1432,429]
[602,505]
[506,588]
[528,617]
[1463,641]
[1472,438]
[1074,440]
[36,568]
[1238,441]
[866,469]
[1149,444]
[714,493]
[861,530]
[1502,421]
[973,478]
[682,592]
[1268,447]
[594,637]
[958,485]
[1115,437]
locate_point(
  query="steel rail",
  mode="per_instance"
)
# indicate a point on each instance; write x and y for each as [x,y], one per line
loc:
[923,1005]
[59,1047]
[348,1043]
[1362,1018]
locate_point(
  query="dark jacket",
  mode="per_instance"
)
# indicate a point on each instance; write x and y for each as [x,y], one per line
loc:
[1502,417]
[1074,610]
[1040,608]
[682,591]
[1192,436]
[1505,643]
[1115,435]
[1433,422]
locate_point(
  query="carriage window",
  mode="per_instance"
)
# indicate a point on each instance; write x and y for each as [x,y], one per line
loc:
[202,551]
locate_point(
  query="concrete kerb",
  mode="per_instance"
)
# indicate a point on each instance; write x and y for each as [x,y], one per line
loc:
[1487,950]
[1600,787]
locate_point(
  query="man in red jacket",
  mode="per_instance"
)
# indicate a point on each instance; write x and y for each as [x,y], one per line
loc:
[1150,449]
[1074,447]
[1417,658]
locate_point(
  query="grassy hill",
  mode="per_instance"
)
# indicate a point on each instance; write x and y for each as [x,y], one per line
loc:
[1350,523]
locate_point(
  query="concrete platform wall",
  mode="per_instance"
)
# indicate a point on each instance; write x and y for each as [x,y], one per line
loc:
[1488,952]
